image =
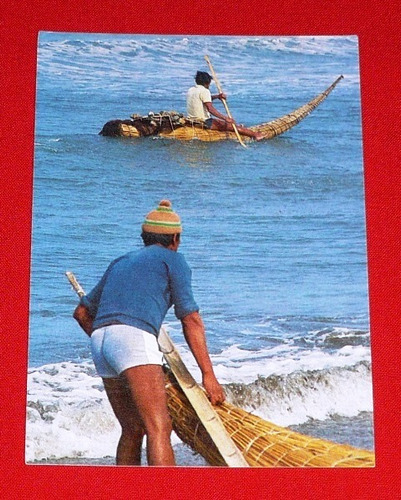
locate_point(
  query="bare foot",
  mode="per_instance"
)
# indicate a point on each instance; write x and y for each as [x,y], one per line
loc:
[259,136]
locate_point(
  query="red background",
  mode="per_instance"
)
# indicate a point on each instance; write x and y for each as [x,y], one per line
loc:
[379,29]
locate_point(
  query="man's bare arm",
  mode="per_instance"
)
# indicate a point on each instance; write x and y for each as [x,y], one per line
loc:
[219,96]
[194,332]
[85,320]
[212,110]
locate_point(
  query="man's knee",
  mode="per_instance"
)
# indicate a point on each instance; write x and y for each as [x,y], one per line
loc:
[219,125]
[159,426]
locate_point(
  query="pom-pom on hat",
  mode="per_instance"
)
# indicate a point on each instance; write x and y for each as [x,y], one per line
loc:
[163,220]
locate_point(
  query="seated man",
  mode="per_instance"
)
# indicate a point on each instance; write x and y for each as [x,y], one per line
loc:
[200,107]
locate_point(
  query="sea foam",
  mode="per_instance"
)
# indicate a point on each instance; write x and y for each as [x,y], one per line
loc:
[68,413]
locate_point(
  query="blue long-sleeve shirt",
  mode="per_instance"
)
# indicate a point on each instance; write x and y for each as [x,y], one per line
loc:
[138,288]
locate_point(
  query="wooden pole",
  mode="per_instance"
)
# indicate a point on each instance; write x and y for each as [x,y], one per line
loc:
[201,404]
[224,101]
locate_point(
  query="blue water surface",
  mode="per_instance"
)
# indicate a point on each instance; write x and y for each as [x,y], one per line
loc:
[274,233]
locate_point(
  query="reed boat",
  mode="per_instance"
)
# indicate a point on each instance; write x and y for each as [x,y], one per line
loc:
[174,125]
[262,443]
[226,435]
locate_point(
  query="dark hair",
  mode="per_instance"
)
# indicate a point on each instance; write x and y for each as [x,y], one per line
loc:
[161,239]
[202,77]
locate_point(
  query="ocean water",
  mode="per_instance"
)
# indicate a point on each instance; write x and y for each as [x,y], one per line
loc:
[274,233]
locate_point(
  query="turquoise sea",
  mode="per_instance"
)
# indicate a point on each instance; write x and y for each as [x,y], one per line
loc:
[274,233]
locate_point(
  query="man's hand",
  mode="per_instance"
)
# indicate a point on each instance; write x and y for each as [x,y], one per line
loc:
[213,389]
[220,96]
[85,320]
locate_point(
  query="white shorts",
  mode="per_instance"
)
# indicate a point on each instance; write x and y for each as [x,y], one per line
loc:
[118,347]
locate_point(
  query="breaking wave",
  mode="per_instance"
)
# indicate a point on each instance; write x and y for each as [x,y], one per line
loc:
[68,414]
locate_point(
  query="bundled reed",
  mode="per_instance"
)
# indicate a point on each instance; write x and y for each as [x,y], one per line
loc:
[262,443]
[196,131]
[280,125]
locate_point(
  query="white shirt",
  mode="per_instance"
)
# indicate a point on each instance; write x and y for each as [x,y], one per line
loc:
[196,97]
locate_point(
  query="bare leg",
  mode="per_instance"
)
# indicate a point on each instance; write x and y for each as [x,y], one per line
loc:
[227,127]
[148,393]
[129,448]
[248,132]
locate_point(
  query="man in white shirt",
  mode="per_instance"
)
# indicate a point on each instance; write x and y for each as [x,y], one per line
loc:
[200,107]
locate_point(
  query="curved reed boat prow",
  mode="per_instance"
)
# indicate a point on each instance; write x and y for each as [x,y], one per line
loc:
[174,125]
[262,443]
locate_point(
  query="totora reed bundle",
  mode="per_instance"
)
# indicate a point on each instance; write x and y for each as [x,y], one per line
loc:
[262,443]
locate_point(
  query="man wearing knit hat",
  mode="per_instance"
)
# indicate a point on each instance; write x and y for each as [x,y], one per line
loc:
[123,314]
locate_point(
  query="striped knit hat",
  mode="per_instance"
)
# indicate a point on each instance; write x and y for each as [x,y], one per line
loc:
[162,220]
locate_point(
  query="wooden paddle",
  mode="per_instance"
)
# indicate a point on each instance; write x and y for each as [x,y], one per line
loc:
[195,394]
[224,101]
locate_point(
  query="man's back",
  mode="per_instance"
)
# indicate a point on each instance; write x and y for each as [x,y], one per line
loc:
[196,96]
[139,287]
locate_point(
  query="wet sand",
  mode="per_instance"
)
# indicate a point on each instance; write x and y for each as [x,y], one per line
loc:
[184,456]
